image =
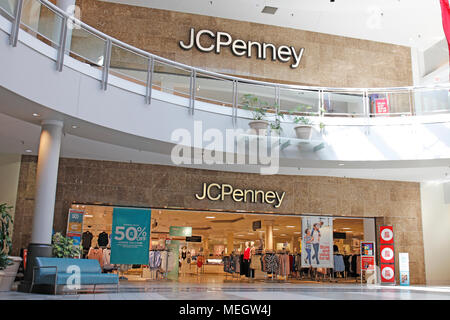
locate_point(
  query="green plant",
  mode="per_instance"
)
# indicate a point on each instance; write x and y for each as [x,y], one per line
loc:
[257,107]
[6,223]
[304,119]
[63,247]
[276,124]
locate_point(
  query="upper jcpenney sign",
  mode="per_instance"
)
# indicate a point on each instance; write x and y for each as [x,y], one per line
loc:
[241,48]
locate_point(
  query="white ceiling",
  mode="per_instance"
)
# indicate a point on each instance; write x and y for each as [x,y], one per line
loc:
[415,23]
[17,136]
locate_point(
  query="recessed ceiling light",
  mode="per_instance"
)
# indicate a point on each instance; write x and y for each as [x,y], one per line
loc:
[341,164]
[74,126]
[283,234]
[297,232]
[274,229]
[28,151]
[36,115]
[210,217]
[290,226]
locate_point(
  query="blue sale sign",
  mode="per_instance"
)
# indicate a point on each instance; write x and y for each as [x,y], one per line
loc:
[130,238]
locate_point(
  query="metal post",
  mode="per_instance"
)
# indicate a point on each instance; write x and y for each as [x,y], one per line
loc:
[106,63]
[277,98]
[234,103]
[366,103]
[150,68]
[62,45]
[14,35]
[411,105]
[321,103]
[192,92]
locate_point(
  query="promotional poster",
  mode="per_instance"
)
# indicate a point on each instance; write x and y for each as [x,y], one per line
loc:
[317,242]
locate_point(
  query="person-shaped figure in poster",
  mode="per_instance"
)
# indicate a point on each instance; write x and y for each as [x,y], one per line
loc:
[315,234]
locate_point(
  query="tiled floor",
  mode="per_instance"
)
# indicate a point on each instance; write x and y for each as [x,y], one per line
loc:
[244,291]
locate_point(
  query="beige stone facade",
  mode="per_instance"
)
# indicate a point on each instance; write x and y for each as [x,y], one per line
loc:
[328,60]
[155,186]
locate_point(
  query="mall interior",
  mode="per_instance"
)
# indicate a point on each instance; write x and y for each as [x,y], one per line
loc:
[242,133]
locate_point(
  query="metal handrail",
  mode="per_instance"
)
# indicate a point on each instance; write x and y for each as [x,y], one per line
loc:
[152,58]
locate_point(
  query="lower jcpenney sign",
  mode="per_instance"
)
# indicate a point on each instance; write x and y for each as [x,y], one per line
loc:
[243,48]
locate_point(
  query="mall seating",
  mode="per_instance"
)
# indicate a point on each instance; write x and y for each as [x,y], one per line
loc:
[70,272]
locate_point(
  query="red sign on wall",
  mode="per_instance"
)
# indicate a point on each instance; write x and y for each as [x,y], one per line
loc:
[387,253]
[381,106]
[386,235]
[387,273]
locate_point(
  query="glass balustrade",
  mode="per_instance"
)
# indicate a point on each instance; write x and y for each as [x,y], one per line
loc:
[299,102]
[213,90]
[129,65]
[85,46]
[429,101]
[390,103]
[351,104]
[44,21]
[7,8]
[171,79]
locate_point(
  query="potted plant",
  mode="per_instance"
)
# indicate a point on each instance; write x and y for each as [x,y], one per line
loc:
[258,108]
[63,247]
[275,126]
[304,127]
[8,265]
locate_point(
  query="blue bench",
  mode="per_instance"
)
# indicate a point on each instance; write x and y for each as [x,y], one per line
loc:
[62,271]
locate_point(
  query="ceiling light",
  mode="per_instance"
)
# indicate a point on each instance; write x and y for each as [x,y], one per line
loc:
[28,151]
[346,228]
[88,216]
[36,115]
[269,10]
[210,217]
[341,164]
[290,226]
[74,126]
[297,232]
[274,229]
[283,234]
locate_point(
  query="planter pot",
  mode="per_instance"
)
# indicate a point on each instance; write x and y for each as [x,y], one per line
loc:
[303,132]
[8,275]
[260,126]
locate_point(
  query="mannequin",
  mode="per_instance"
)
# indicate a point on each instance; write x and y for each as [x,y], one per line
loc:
[247,257]
[183,257]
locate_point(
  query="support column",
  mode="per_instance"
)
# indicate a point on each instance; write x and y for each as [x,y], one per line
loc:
[44,201]
[269,236]
[230,245]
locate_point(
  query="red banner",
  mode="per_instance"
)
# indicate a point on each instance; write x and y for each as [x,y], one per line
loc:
[387,273]
[387,253]
[367,263]
[445,9]
[386,235]
[381,106]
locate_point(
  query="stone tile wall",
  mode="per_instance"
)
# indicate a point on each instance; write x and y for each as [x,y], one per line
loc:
[126,184]
[328,60]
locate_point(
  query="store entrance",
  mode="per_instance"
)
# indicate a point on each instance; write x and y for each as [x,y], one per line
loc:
[226,247]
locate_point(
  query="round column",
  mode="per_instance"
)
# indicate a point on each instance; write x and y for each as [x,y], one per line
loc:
[44,201]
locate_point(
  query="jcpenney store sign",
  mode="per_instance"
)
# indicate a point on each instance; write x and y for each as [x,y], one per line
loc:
[243,48]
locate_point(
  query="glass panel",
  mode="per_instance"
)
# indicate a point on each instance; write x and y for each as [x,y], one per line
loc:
[299,101]
[8,7]
[171,79]
[431,101]
[390,103]
[344,104]
[86,47]
[44,23]
[214,90]
[128,64]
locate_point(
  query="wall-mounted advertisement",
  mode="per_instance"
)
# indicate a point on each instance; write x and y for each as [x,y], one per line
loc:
[75,225]
[130,239]
[317,242]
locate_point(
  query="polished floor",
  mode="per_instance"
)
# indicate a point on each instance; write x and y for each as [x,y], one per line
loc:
[170,290]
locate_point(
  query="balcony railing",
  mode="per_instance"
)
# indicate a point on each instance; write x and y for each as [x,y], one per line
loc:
[113,57]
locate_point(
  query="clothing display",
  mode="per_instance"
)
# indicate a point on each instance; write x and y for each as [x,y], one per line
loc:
[107,259]
[103,239]
[96,254]
[86,240]
[339,265]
